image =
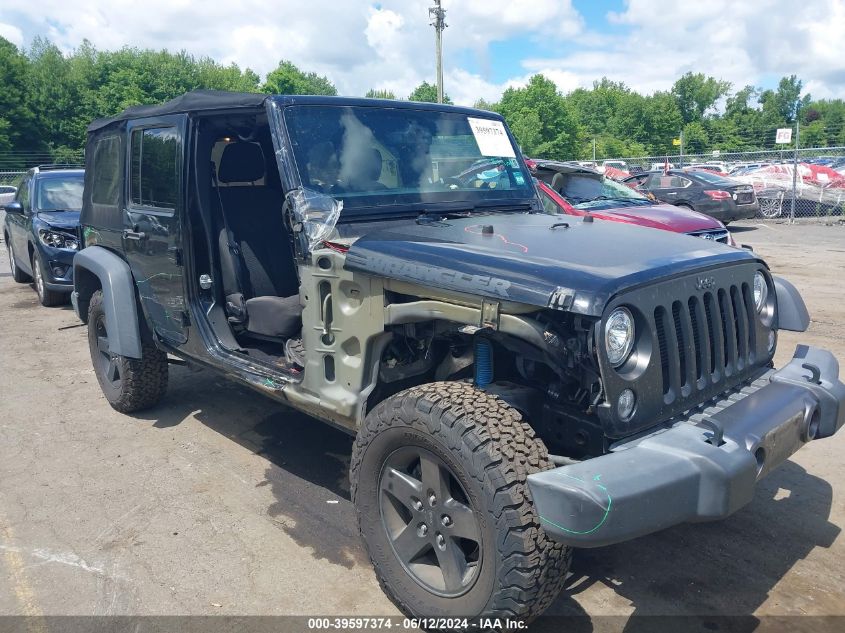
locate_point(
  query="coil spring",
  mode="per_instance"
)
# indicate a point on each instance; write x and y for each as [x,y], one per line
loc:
[483,362]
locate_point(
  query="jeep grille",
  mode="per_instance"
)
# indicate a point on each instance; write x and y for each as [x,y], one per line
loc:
[698,335]
[705,339]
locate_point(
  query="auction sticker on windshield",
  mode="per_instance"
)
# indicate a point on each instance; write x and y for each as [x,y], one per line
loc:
[491,137]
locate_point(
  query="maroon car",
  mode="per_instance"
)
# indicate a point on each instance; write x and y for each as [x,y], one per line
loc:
[572,189]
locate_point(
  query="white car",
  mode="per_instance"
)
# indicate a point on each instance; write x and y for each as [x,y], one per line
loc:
[7,193]
[661,166]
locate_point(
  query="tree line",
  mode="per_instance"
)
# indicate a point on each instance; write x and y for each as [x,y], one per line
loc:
[48,98]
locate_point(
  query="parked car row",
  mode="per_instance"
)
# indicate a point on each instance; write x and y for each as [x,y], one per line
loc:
[523,374]
[819,189]
[571,189]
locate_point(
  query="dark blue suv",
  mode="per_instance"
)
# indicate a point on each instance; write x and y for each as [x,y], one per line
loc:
[41,230]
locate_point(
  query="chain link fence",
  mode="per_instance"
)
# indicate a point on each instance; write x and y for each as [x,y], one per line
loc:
[11,178]
[789,183]
[13,166]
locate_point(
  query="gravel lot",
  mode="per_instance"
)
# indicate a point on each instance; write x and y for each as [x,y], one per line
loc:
[219,501]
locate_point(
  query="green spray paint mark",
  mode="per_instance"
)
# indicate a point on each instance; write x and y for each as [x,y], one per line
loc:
[599,524]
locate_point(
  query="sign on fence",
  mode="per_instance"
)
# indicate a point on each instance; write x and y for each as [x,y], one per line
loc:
[784,135]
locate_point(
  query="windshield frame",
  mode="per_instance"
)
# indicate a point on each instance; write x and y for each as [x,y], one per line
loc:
[522,196]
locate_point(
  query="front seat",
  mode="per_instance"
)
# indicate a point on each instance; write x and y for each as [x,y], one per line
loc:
[368,172]
[258,269]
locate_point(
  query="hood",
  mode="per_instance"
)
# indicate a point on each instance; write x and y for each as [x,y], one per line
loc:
[521,258]
[60,219]
[662,216]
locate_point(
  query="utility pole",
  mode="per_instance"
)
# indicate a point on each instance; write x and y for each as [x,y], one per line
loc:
[795,167]
[438,21]
[594,149]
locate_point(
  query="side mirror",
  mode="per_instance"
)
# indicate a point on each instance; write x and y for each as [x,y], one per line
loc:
[14,207]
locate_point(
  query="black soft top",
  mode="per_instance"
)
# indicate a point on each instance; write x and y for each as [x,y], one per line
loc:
[209,100]
[188,102]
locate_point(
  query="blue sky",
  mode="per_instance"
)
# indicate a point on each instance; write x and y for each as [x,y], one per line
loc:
[489,45]
[504,58]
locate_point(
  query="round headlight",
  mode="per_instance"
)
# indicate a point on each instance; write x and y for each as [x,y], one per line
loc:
[761,291]
[619,336]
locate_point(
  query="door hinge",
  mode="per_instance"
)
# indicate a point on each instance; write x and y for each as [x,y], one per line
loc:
[177,256]
[186,320]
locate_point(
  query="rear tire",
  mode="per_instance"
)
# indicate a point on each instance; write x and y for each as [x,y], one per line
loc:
[17,274]
[480,521]
[129,384]
[47,297]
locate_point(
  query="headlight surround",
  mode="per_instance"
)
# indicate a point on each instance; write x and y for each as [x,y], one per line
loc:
[761,291]
[619,336]
[57,239]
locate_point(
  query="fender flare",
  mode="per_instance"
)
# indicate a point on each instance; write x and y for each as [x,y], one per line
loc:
[792,312]
[118,286]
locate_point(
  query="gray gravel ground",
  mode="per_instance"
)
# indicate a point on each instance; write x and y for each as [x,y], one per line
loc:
[219,501]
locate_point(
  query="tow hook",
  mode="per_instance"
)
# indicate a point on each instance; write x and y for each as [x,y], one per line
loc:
[718,432]
[815,378]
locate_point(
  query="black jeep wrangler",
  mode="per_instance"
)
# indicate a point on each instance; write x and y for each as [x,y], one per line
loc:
[518,383]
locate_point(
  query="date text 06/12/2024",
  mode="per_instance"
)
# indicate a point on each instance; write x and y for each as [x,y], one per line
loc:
[446,624]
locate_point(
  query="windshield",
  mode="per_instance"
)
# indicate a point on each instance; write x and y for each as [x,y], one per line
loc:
[714,179]
[377,157]
[59,193]
[591,192]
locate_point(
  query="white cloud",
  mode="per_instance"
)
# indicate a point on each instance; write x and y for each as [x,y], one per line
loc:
[389,44]
[742,42]
[11,33]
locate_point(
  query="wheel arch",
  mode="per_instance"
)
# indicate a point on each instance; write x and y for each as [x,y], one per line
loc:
[96,268]
[519,328]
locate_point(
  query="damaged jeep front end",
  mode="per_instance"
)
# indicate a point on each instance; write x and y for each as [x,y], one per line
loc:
[703,467]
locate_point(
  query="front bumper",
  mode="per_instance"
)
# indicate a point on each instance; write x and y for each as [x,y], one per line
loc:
[680,474]
[58,268]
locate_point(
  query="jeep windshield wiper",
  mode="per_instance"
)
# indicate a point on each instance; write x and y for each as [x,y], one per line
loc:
[438,216]
[502,207]
[427,217]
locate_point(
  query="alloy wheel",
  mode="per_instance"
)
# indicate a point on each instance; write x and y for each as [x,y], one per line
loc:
[39,279]
[108,362]
[770,207]
[11,258]
[428,519]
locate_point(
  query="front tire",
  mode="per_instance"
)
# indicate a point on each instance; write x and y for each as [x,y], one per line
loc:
[129,384]
[17,274]
[439,485]
[47,297]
